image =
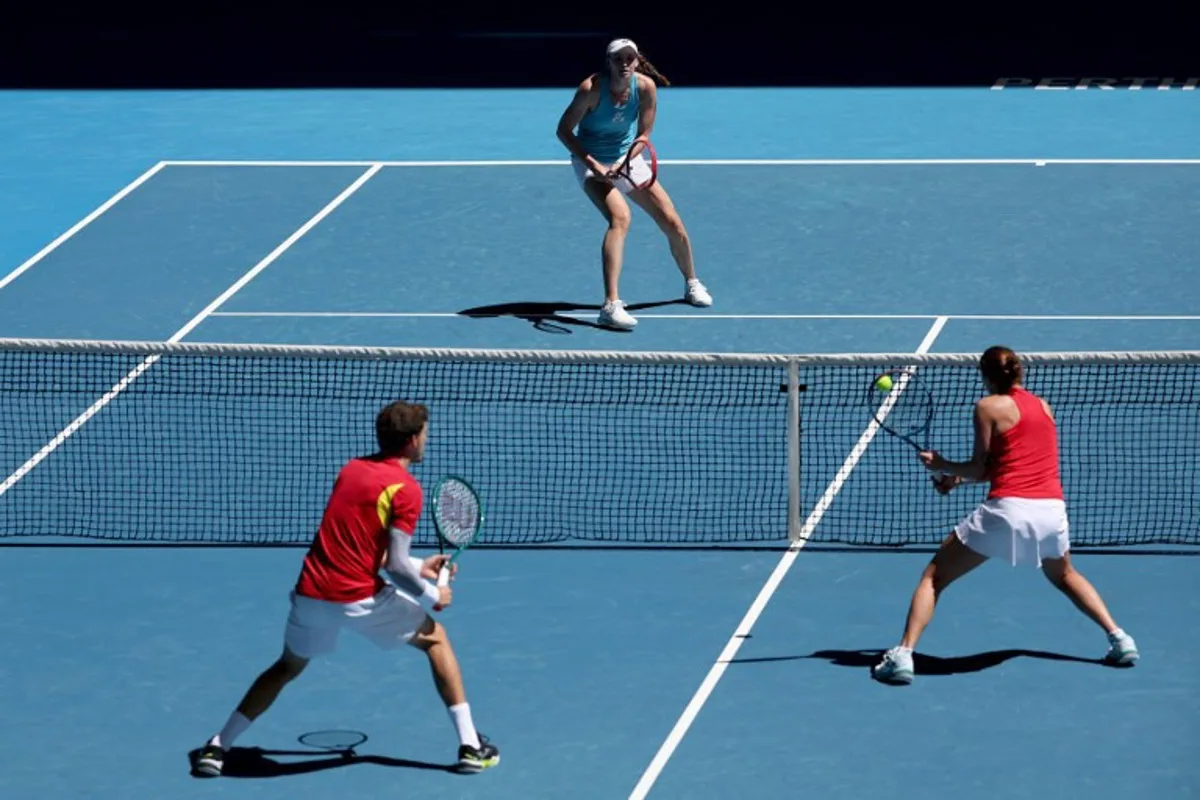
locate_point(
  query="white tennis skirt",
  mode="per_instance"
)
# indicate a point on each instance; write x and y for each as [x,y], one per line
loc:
[638,167]
[1018,530]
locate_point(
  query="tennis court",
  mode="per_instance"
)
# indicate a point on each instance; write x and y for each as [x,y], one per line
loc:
[227,277]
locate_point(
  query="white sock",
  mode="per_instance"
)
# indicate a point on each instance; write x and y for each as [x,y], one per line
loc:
[234,728]
[461,716]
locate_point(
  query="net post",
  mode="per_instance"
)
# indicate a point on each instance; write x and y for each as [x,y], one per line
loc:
[793,441]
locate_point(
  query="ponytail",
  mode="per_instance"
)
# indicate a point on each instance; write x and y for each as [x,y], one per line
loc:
[646,68]
[1002,368]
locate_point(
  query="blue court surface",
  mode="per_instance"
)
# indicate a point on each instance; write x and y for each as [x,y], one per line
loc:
[848,221]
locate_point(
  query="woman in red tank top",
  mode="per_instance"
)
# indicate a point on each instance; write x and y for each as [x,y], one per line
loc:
[1023,518]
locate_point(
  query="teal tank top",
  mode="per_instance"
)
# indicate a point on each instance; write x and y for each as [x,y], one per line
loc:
[608,131]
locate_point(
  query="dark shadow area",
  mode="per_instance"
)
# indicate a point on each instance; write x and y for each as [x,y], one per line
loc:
[257,762]
[926,664]
[472,44]
[551,317]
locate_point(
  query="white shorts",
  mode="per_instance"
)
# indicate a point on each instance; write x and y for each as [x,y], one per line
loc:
[638,167]
[389,619]
[1018,530]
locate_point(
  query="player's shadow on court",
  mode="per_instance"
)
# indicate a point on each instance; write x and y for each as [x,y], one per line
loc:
[258,762]
[554,317]
[926,664]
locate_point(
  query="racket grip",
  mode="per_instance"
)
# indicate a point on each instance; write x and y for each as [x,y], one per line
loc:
[442,580]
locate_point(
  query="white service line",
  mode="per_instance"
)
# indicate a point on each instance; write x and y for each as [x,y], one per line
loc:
[208,310]
[764,596]
[441,314]
[701,316]
[83,223]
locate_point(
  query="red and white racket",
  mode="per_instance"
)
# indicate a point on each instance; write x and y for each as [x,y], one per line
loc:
[630,166]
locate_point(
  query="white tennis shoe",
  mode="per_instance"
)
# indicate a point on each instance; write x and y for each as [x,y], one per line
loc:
[895,667]
[696,294]
[1122,650]
[614,315]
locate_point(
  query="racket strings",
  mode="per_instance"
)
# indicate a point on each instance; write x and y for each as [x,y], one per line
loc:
[905,408]
[647,156]
[457,512]
[909,414]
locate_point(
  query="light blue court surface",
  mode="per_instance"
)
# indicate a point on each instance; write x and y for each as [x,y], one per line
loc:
[823,222]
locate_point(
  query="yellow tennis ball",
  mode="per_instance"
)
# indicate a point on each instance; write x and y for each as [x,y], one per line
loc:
[884,383]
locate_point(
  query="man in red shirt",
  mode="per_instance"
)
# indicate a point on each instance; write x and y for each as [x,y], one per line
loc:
[367,526]
[1023,518]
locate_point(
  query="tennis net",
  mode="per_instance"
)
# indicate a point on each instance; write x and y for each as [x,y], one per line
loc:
[241,443]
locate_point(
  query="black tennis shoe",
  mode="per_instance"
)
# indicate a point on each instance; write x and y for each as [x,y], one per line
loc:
[477,759]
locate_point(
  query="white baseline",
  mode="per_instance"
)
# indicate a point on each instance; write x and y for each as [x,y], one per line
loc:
[695,162]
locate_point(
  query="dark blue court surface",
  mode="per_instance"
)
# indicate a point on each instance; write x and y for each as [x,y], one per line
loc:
[822,221]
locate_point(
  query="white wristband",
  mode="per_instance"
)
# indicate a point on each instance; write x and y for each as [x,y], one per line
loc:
[432,592]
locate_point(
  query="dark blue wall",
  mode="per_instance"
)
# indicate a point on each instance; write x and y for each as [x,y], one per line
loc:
[494,44]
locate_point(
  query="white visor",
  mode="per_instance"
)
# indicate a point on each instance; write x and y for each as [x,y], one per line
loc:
[616,45]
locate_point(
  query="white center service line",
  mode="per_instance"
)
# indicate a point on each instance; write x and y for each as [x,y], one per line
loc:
[764,596]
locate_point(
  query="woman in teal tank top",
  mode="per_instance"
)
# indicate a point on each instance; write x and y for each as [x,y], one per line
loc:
[611,109]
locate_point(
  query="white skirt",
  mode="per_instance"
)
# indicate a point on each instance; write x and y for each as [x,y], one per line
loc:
[1018,530]
[638,167]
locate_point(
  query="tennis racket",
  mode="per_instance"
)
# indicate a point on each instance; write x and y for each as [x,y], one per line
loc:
[643,148]
[457,518]
[905,410]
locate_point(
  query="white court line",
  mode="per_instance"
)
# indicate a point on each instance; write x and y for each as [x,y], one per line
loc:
[703,316]
[764,596]
[439,314]
[137,371]
[83,223]
[1077,317]
[716,162]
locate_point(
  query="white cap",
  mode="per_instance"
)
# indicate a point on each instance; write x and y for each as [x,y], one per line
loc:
[620,44]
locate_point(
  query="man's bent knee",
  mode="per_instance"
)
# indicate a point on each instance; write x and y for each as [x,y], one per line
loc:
[429,634]
[289,666]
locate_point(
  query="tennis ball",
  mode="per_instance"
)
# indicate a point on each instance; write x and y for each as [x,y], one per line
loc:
[883,383]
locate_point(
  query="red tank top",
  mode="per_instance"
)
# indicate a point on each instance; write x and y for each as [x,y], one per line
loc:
[1025,457]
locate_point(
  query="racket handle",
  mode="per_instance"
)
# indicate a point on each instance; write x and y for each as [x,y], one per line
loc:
[442,580]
